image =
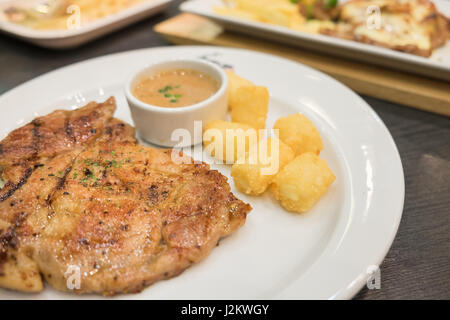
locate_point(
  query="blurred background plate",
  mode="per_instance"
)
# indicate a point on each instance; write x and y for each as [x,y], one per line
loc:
[64,39]
[437,66]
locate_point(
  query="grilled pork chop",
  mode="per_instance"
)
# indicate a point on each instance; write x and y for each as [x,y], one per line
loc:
[122,214]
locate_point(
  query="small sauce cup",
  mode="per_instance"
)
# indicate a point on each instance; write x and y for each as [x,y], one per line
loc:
[162,125]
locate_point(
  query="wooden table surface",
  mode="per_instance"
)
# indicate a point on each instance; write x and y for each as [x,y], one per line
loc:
[418,264]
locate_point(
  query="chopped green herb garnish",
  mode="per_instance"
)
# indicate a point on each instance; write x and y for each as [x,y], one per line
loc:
[75,175]
[177,96]
[173,100]
[167,95]
[165,89]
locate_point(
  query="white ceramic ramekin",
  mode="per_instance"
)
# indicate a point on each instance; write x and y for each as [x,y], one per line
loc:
[157,125]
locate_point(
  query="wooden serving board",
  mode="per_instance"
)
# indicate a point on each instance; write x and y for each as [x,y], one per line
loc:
[396,86]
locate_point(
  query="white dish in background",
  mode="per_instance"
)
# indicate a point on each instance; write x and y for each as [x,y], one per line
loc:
[325,253]
[65,39]
[437,66]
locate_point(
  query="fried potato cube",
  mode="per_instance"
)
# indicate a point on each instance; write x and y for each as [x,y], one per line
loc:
[254,173]
[302,182]
[251,106]
[235,82]
[228,141]
[298,132]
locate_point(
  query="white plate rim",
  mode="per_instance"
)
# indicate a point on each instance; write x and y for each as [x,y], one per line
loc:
[352,287]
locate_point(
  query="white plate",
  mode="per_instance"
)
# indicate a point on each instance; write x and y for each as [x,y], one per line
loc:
[437,66]
[64,39]
[324,253]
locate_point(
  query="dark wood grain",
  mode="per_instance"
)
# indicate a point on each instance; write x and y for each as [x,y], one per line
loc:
[418,264]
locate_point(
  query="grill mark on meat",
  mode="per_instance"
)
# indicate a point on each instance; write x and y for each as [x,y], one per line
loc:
[104,174]
[10,239]
[7,239]
[15,187]
[3,258]
[68,130]
[19,219]
[61,183]
[62,180]
[36,138]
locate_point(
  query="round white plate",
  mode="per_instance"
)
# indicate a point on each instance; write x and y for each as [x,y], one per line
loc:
[326,253]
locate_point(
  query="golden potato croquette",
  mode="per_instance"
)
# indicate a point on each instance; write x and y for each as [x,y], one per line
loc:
[254,173]
[228,141]
[235,82]
[298,132]
[251,106]
[301,183]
